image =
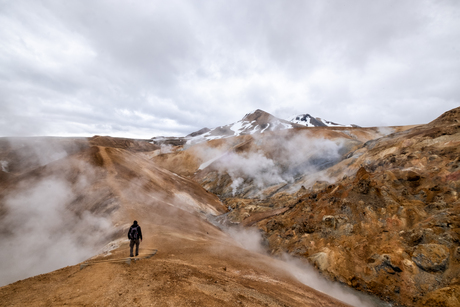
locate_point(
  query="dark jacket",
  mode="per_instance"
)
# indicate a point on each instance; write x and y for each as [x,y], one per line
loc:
[138,231]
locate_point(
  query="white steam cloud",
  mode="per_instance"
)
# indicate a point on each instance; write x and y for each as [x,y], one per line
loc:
[41,231]
[385,130]
[254,166]
[40,151]
[250,239]
[307,275]
[166,148]
[275,160]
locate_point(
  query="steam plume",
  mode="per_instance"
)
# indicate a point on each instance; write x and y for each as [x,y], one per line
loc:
[41,234]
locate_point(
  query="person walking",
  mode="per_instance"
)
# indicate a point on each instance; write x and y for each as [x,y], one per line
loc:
[134,235]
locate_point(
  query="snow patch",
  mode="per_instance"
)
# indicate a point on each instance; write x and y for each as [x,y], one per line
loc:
[241,127]
[236,127]
[297,120]
[306,120]
[268,126]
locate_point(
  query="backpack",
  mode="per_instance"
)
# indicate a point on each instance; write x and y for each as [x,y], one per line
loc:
[133,233]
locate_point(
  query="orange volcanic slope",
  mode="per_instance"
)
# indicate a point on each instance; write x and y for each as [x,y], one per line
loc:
[196,263]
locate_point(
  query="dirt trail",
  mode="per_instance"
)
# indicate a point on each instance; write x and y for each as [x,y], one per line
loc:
[117,187]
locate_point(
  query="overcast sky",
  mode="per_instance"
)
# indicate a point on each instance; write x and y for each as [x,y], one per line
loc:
[150,68]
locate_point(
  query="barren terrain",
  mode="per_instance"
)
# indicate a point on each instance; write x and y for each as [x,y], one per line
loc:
[196,264]
[374,209]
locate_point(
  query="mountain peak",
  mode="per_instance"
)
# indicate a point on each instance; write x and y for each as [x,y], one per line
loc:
[307,120]
[310,121]
[259,116]
[257,121]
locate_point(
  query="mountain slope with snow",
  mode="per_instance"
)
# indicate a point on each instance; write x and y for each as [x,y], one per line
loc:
[255,122]
[310,121]
[258,122]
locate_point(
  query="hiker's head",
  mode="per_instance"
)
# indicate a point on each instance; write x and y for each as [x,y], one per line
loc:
[135,222]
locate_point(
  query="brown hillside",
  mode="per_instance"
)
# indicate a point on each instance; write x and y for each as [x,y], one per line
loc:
[196,263]
[451,117]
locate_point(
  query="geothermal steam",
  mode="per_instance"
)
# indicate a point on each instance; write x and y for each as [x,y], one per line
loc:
[250,239]
[276,160]
[41,234]
[43,227]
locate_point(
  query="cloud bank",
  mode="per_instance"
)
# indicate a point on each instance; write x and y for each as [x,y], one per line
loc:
[150,68]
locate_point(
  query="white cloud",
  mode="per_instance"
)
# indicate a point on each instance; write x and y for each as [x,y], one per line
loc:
[69,68]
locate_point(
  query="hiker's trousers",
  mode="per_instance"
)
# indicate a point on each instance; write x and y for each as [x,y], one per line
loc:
[131,246]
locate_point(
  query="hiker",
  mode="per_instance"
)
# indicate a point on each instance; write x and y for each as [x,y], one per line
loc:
[134,234]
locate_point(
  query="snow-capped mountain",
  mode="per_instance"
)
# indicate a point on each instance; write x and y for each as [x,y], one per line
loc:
[254,122]
[310,121]
[257,121]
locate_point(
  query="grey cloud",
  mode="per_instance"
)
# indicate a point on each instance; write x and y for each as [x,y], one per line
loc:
[149,41]
[151,67]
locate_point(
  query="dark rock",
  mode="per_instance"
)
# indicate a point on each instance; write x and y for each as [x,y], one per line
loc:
[414,237]
[274,225]
[385,263]
[431,257]
[363,186]
[329,221]
[413,179]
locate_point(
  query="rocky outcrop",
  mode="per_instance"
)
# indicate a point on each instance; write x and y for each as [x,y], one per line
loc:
[431,257]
